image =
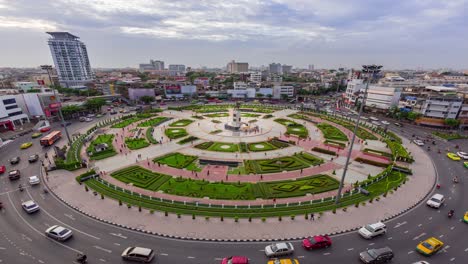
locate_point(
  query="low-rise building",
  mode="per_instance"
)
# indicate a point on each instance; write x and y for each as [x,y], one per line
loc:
[352,91]
[442,107]
[382,98]
[11,113]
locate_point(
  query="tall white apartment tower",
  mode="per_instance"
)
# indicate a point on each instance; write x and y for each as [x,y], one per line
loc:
[70,59]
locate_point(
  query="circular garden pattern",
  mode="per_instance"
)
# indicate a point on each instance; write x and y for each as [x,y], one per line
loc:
[290,165]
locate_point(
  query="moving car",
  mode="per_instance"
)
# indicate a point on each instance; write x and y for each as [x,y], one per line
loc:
[90,115]
[465,164]
[376,255]
[453,156]
[462,155]
[14,175]
[373,230]
[421,262]
[66,124]
[373,118]
[82,118]
[436,201]
[418,142]
[58,233]
[30,206]
[26,145]
[113,113]
[465,217]
[34,180]
[279,249]
[283,261]
[138,254]
[36,135]
[15,160]
[316,242]
[2,169]
[87,119]
[429,246]
[33,158]
[385,122]
[44,129]
[235,260]
[398,124]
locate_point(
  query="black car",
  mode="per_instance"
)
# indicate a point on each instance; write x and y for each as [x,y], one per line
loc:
[376,255]
[14,175]
[113,113]
[15,160]
[33,158]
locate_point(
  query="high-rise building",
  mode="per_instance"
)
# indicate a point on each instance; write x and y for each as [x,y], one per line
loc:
[275,68]
[285,69]
[154,65]
[237,67]
[311,67]
[176,69]
[71,59]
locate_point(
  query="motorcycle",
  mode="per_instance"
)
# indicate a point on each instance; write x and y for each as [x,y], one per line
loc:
[455,180]
[450,213]
[1,205]
[81,258]
[20,187]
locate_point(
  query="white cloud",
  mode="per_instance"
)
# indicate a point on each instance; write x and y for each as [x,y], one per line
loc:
[27,23]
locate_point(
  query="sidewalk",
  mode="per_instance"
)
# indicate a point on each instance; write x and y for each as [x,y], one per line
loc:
[63,184]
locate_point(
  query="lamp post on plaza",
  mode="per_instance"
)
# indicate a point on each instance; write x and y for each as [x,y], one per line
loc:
[48,68]
[370,70]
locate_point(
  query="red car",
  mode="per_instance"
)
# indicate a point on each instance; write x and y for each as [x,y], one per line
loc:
[2,169]
[44,129]
[235,260]
[316,242]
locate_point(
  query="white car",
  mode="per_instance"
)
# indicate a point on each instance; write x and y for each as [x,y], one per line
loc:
[421,262]
[279,249]
[87,119]
[90,115]
[33,180]
[385,122]
[373,118]
[462,155]
[375,123]
[373,230]
[138,254]
[58,233]
[30,206]
[436,201]
[418,142]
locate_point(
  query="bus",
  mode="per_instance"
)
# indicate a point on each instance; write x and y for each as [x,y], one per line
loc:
[51,138]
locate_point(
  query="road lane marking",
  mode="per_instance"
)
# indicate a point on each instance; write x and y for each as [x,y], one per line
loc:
[2,248]
[37,231]
[118,235]
[371,244]
[430,218]
[326,254]
[452,228]
[70,216]
[51,216]
[40,261]
[103,249]
[117,244]
[301,257]
[349,249]
[419,236]
[452,259]
[441,236]
[400,224]
[419,225]
[411,252]
[466,249]
[190,257]
[406,232]
[103,260]
[165,254]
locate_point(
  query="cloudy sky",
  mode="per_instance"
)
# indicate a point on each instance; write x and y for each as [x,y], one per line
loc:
[326,33]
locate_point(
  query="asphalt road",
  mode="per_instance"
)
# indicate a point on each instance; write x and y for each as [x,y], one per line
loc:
[22,237]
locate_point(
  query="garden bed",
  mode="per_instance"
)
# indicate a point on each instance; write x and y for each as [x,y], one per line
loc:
[153,122]
[176,160]
[136,143]
[109,152]
[174,133]
[293,128]
[181,123]
[187,140]
[332,133]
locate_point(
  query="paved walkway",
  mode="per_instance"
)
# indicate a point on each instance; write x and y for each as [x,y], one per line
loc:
[62,183]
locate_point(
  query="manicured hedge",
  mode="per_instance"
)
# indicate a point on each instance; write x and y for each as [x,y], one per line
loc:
[324,151]
[371,162]
[187,140]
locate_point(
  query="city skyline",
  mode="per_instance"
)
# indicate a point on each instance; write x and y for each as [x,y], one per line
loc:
[405,34]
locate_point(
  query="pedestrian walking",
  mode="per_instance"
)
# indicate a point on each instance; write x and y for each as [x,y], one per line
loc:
[312,217]
[261,176]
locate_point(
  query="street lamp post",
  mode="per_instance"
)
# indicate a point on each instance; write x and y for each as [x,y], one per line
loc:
[48,68]
[370,70]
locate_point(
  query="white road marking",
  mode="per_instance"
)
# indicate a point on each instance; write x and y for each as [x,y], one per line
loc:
[371,244]
[103,249]
[326,254]
[411,252]
[466,249]
[406,232]
[430,218]
[117,244]
[70,216]
[452,228]
[441,236]
[419,236]
[262,250]
[40,261]
[452,259]
[301,257]
[349,249]
[419,225]
[118,235]
[390,238]
[51,216]
[2,248]
[190,257]
[400,224]
[165,254]
[103,260]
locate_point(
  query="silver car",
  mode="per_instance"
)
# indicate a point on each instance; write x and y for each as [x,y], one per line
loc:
[30,206]
[58,233]
[139,254]
[279,249]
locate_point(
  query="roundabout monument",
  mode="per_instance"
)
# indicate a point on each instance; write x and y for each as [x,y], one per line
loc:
[270,179]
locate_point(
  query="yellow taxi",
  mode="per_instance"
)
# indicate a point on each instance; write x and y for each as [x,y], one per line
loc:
[465,218]
[453,156]
[36,135]
[26,145]
[283,261]
[430,246]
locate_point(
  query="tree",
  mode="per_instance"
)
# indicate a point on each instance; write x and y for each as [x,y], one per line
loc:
[269,96]
[284,97]
[451,122]
[69,110]
[94,104]
[147,99]
[259,95]
[394,111]
[413,115]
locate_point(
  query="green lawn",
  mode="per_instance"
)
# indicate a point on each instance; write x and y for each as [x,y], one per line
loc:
[174,133]
[217,115]
[149,135]
[293,128]
[331,132]
[261,146]
[398,150]
[217,131]
[136,143]
[181,123]
[224,147]
[288,163]
[176,160]
[449,136]
[126,122]
[103,154]
[153,122]
[249,115]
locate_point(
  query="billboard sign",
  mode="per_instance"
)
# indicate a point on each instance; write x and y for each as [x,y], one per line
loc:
[173,89]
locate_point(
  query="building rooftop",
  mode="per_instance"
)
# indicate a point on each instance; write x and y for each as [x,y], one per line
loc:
[62,35]
[441,89]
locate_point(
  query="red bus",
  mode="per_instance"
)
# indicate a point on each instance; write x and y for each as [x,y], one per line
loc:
[51,138]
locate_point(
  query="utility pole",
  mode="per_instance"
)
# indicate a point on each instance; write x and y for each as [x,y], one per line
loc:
[48,68]
[370,70]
